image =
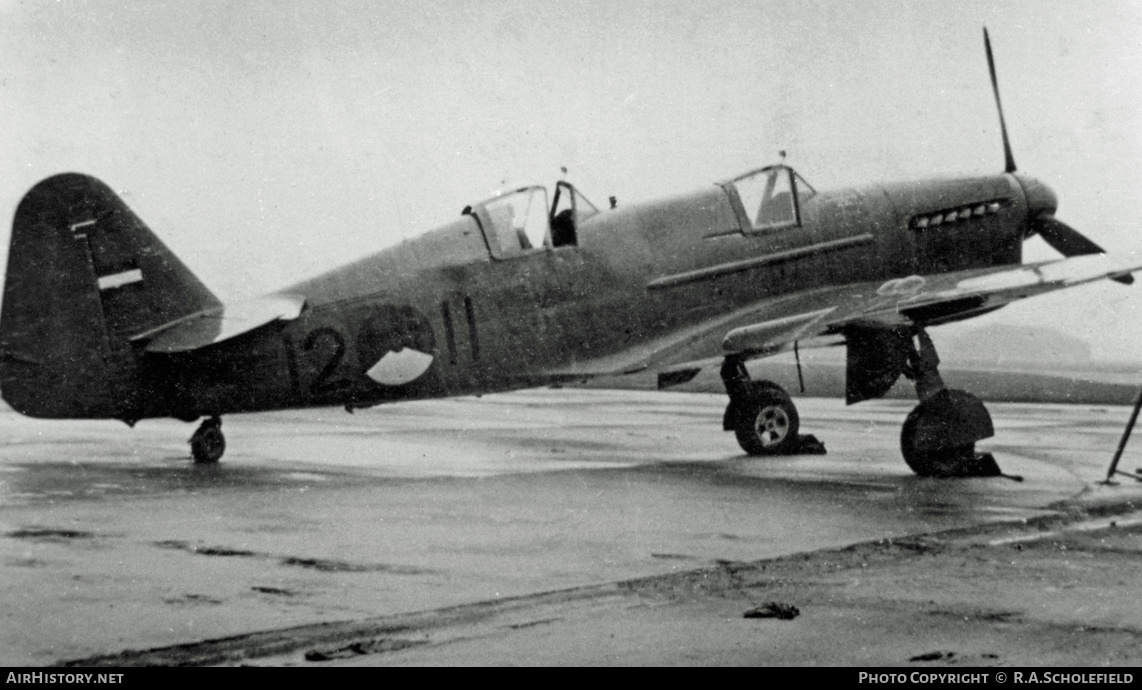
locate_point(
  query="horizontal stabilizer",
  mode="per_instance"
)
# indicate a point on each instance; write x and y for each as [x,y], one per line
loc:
[223,323]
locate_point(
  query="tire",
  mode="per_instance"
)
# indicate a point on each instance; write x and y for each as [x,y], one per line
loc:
[953,462]
[955,419]
[767,423]
[924,464]
[208,443]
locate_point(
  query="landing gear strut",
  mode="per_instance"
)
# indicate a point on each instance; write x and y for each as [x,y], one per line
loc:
[939,435]
[761,415]
[208,444]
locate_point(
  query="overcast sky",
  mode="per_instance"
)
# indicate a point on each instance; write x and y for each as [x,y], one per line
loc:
[268,141]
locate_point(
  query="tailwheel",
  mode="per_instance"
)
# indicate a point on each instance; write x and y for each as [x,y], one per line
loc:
[766,421]
[208,444]
[939,435]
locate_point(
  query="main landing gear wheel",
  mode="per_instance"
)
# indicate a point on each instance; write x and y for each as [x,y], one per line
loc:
[208,444]
[939,435]
[768,422]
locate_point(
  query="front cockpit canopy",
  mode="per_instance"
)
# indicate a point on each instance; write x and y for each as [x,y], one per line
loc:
[519,222]
[770,198]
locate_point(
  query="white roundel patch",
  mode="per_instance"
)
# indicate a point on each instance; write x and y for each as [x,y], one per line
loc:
[399,368]
[902,286]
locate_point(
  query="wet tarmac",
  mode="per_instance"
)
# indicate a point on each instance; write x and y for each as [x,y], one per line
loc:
[112,540]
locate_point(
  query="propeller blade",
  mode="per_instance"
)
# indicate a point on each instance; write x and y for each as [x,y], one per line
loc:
[1070,242]
[999,106]
[1065,239]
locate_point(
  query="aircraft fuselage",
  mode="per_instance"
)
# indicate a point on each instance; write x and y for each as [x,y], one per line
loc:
[635,273]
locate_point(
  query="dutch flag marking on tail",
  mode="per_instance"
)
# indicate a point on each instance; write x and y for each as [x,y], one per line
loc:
[118,280]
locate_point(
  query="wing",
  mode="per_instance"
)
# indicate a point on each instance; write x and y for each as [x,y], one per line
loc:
[926,300]
[823,316]
[697,341]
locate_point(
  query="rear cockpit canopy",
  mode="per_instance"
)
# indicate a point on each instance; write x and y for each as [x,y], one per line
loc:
[519,222]
[770,198]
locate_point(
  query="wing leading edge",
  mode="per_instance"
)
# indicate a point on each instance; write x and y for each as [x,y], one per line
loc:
[926,300]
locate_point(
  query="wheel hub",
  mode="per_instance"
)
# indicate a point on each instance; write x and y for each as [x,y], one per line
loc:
[771,425]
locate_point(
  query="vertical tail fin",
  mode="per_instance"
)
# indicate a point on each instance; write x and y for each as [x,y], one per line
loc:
[85,276]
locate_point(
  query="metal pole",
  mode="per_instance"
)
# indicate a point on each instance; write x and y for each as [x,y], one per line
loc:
[1125,437]
[797,354]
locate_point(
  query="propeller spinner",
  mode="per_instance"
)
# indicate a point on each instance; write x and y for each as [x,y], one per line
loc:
[1041,199]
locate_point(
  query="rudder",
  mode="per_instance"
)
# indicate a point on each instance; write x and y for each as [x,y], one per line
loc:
[85,277]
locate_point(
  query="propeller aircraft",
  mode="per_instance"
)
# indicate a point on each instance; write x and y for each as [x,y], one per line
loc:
[100,320]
